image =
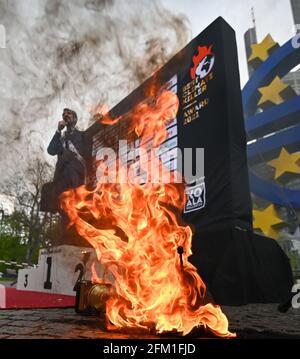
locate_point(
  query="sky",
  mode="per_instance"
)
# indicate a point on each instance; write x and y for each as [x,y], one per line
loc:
[76,54]
[272,16]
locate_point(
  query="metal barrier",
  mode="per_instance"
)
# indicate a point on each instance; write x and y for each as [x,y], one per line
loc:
[18,265]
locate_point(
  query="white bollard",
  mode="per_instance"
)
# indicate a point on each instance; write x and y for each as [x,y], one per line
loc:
[2,297]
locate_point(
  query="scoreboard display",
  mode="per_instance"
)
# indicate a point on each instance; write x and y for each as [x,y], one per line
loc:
[111,135]
[205,77]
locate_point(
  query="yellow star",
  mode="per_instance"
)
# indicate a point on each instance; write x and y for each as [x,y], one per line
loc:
[265,220]
[272,92]
[286,162]
[261,51]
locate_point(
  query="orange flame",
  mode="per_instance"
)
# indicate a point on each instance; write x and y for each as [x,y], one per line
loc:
[202,52]
[95,278]
[100,113]
[150,121]
[136,231]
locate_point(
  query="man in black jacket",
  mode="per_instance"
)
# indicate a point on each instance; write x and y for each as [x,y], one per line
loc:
[70,172]
[69,148]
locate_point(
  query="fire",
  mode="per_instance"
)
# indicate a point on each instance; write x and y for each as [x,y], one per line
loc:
[100,112]
[136,232]
[95,278]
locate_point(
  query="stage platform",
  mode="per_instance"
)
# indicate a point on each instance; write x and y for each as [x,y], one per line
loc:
[19,299]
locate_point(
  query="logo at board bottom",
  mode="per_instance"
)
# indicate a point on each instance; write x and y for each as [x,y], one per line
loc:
[195,198]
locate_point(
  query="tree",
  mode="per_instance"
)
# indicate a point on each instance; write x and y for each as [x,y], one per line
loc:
[12,244]
[34,225]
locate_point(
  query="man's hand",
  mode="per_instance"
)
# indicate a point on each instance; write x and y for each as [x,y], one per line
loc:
[61,125]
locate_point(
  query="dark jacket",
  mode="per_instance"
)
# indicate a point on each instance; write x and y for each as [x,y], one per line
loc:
[70,168]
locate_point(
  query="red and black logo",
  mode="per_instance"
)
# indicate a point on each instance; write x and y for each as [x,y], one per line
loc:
[203,62]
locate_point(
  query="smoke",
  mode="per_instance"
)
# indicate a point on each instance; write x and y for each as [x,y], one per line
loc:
[74,54]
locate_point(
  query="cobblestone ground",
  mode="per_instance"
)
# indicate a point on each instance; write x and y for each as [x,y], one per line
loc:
[250,321]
